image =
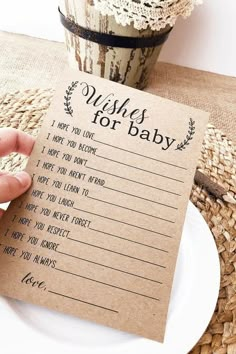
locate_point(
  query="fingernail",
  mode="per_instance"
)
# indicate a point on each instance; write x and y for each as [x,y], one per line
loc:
[23,178]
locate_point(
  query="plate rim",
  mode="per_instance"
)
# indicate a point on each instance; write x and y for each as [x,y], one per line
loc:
[137,345]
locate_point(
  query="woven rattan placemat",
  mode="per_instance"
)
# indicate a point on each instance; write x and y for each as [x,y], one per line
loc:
[25,110]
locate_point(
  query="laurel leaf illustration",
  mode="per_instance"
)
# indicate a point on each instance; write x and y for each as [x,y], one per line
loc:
[67,98]
[191,131]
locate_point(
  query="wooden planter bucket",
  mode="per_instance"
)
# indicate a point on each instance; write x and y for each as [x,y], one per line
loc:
[98,45]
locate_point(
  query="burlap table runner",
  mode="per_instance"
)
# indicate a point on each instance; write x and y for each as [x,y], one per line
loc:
[25,110]
[28,62]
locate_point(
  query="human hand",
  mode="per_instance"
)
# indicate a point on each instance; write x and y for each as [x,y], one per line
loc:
[13,185]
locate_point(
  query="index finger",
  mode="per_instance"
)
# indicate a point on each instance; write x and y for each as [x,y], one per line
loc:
[13,140]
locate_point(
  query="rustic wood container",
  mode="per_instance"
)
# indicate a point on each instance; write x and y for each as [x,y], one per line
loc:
[128,66]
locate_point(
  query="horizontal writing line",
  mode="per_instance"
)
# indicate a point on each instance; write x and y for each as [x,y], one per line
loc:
[131,180]
[127,239]
[119,253]
[106,266]
[122,222]
[135,153]
[136,196]
[107,284]
[85,302]
[140,169]
[136,211]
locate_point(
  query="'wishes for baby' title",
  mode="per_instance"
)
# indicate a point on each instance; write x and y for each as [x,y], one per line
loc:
[113,111]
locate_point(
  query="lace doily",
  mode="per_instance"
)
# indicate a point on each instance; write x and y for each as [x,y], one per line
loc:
[143,13]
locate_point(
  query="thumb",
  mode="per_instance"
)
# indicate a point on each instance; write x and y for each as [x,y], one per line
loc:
[12,186]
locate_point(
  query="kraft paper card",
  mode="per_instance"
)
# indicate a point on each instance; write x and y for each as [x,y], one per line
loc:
[98,232]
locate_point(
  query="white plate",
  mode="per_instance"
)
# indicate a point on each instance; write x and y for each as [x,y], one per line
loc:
[27,329]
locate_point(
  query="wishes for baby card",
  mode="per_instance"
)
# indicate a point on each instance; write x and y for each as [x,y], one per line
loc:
[98,232]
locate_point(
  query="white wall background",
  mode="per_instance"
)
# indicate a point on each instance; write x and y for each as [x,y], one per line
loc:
[207,40]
